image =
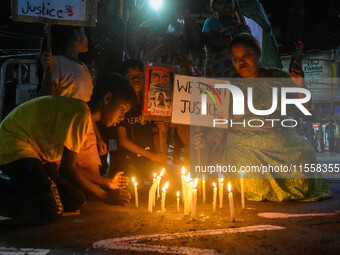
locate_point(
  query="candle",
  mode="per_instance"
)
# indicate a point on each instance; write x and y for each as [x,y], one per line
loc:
[152,191]
[133,180]
[177,201]
[183,183]
[163,197]
[194,200]
[203,189]
[242,189]
[220,195]
[231,203]
[159,182]
[136,195]
[188,192]
[154,199]
[214,197]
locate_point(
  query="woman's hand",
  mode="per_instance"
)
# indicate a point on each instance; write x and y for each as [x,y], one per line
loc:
[46,61]
[118,181]
[297,75]
[198,141]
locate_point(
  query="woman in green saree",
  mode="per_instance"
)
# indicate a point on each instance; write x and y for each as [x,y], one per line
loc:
[270,145]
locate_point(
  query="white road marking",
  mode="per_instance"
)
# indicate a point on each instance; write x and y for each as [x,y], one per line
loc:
[22,251]
[132,243]
[276,215]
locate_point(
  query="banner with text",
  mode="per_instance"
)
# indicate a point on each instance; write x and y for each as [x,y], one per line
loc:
[197,102]
[63,12]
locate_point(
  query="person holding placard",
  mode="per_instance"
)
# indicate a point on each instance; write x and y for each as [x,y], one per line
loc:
[269,147]
[136,152]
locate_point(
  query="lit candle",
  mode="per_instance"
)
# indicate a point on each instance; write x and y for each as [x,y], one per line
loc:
[220,195]
[177,201]
[214,197]
[163,197]
[188,192]
[133,180]
[154,199]
[152,191]
[136,195]
[203,188]
[159,182]
[194,200]
[183,183]
[231,203]
[242,189]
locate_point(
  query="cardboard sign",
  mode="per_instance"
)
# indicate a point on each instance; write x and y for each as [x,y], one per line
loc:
[187,101]
[158,92]
[62,12]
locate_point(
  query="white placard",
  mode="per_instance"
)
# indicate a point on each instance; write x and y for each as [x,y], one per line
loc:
[187,101]
[67,12]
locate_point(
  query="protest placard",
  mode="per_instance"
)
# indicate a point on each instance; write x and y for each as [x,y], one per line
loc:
[158,92]
[188,101]
[62,12]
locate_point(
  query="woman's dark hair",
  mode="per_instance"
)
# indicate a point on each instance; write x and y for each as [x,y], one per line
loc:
[115,84]
[247,40]
[130,63]
[60,36]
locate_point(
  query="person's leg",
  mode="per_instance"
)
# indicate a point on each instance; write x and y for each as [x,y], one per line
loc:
[33,196]
[72,196]
[331,145]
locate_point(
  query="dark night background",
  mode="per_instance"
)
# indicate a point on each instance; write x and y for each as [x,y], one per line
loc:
[315,22]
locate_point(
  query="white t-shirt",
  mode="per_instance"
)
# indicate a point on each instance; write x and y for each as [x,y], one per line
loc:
[72,79]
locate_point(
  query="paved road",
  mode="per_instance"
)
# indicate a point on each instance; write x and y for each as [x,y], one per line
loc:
[307,228]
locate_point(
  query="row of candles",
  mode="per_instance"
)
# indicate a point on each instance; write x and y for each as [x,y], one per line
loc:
[189,194]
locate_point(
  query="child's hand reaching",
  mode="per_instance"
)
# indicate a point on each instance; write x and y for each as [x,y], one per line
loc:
[118,181]
[102,147]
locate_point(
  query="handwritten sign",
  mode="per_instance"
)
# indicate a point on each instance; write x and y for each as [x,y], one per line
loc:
[158,92]
[63,12]
[191,108]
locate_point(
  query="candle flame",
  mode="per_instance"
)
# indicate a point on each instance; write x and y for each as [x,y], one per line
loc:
[165,186]
[229,187]
[135,184]
[154,175]
[177,193]
[222,179]
[133,179]
[188,177]
[195,182]
[203,176]
[163,170]
[214,184]
[183,170]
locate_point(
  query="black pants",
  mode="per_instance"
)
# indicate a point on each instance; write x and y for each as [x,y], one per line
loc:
[31,195]
[331,144]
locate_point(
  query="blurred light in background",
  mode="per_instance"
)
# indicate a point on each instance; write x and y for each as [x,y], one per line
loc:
[156,4]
